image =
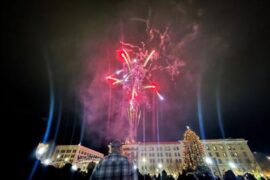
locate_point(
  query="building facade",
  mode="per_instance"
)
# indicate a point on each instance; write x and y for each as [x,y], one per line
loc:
[222,155]
[77,155]
[152,158]
[230,154]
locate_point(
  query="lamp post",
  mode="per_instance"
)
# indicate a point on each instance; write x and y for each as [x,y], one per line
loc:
[232,165]
[210,162]
[160,169]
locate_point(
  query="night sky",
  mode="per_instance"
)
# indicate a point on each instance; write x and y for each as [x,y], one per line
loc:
[69,47]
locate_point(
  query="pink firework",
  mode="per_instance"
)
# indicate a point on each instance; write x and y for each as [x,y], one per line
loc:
[138,65]
[135,79]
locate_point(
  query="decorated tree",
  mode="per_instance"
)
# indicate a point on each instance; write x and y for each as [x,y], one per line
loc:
[193,150]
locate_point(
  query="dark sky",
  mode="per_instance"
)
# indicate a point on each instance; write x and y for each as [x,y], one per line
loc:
[73,40]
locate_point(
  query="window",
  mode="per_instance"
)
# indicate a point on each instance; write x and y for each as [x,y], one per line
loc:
[248,160]
[235,154]
[215,148]
[219,161]
[74,150]
[210,154]
[68,151]
[225,154]
[57,151]
[215,160]
[239,160]
[62,151]
[217,154]
[221,147]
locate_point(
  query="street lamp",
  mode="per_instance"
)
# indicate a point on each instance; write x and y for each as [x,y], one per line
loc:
[210,162]
[46,162]
[74,167]
[159,165]
[144,159]
[232,165]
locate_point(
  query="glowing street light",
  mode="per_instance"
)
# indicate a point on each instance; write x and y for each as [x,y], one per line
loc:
[159,165]
[232,165]
[41,151]
[268,157]
[134,167]
[144,159]
[46,162]
[74,167]
[66,159]
[208,160]
[58,156]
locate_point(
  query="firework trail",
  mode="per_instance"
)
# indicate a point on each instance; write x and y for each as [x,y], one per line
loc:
[139,62]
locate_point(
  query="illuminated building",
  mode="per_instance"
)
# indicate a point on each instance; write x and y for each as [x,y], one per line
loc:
[222,154]
[74,154]
[152,158]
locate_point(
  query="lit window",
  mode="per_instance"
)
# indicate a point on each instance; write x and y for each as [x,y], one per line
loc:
[224,154]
